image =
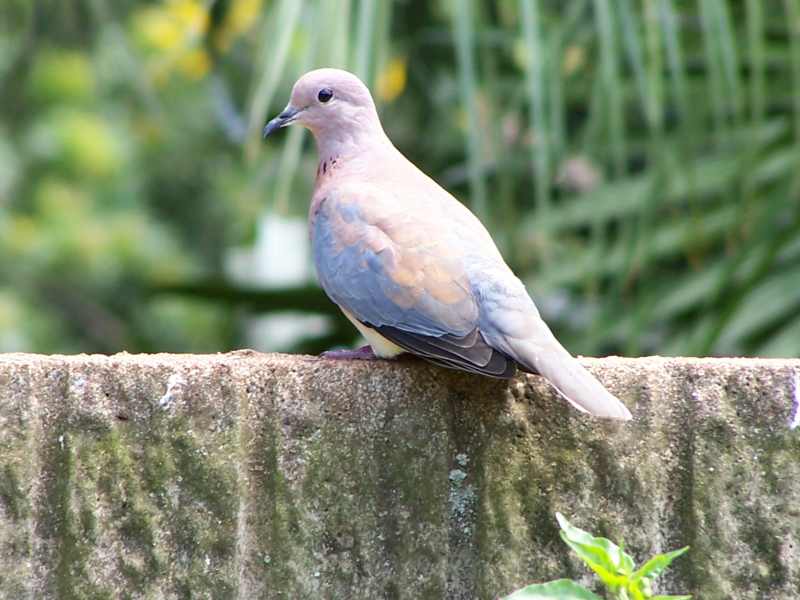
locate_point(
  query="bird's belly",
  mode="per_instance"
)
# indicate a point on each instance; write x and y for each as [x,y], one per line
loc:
[379,344]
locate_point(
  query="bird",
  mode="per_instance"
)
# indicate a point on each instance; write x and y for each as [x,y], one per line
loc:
[409,265]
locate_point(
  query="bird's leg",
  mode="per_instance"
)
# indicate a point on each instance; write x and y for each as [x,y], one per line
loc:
[363,353]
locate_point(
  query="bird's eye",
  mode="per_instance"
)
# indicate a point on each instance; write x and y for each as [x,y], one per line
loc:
[325,94]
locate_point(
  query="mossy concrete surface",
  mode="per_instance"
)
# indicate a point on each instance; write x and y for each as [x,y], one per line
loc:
[249,475]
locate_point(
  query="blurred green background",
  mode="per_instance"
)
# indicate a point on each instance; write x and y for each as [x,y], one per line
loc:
[638,163]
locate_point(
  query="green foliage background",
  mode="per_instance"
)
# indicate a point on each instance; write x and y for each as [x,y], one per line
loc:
[638,162]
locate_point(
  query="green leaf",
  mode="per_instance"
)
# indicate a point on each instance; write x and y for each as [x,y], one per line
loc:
[785,343]
[601,555]
[536,86]
[272,60]
[656,565]
[561,589]
[670,597]
[464,31]
[700,179]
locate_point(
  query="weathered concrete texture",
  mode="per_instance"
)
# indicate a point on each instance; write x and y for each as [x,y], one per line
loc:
[269,476]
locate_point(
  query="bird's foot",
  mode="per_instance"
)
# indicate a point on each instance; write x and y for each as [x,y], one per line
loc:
[363,353]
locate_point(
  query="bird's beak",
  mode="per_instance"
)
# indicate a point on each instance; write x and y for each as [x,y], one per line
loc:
[287,117]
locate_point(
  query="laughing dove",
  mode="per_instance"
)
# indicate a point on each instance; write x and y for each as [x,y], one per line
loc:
[408,264]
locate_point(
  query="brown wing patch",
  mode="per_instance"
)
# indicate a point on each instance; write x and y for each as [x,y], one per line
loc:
[388,267]
[420,257]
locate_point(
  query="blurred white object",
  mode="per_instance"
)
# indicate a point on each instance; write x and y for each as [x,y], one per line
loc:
[279,257]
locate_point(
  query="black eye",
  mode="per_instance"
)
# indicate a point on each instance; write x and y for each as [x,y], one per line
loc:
[325,94]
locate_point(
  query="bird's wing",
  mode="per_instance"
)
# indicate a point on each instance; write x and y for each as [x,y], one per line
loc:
[400,274]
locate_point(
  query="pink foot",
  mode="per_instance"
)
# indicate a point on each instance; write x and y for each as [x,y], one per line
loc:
[363,353]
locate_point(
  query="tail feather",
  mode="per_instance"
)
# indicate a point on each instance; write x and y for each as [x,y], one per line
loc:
[550,359]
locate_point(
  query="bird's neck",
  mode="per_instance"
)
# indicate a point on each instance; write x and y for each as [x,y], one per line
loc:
[348,151]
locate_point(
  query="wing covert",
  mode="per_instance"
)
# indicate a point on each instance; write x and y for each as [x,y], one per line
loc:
[395,275]
[386,269]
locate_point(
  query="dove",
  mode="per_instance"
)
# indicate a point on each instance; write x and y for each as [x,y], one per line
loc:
[409,265]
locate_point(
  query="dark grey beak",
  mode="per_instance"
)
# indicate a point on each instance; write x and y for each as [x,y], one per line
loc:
[282,120]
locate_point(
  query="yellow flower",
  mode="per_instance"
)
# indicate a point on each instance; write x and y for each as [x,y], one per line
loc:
[195,63]
[392,80]
[175,30]
[190,15]
[157,29]
[241,16]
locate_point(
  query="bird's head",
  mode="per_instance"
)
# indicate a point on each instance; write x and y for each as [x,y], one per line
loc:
[329,102]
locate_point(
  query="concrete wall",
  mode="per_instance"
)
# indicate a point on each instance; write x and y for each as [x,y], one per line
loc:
[271,476]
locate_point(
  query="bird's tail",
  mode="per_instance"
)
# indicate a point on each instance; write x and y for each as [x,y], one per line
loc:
[550,359]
